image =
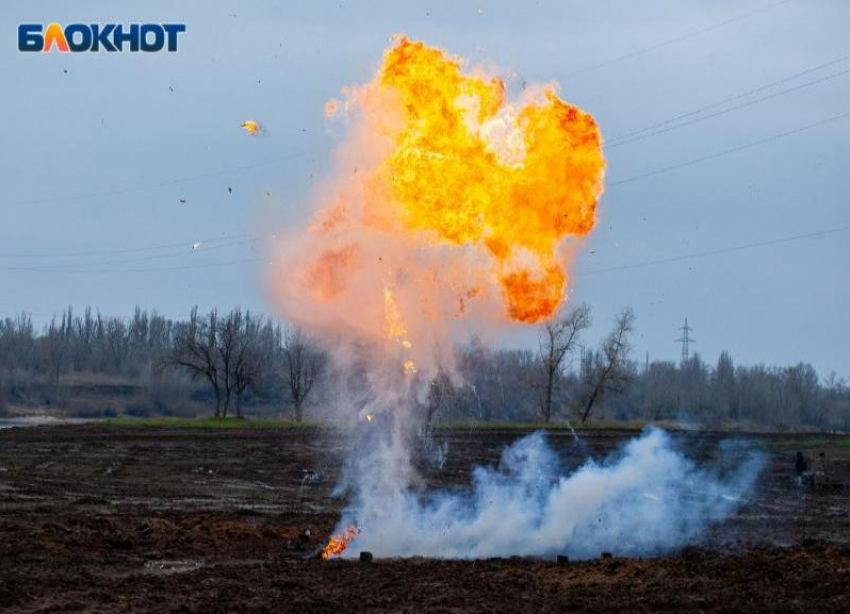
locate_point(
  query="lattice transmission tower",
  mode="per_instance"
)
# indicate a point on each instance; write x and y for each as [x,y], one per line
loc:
[686,340]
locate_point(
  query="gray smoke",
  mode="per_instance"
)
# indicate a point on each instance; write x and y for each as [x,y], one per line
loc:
[646,499]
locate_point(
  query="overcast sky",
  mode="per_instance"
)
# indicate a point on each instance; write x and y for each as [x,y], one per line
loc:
[98,151]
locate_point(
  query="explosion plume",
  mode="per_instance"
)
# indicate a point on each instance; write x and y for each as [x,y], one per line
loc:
[467,185]
[452,203]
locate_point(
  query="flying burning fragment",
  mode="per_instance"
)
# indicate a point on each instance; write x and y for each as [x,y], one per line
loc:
[339,542]
[251,127]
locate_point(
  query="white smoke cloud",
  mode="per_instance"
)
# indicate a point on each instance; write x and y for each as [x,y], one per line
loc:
[647,499]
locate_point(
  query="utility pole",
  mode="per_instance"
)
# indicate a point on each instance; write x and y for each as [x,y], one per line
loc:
[686,340]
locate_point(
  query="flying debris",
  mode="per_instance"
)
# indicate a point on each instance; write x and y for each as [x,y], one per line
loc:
[251,127]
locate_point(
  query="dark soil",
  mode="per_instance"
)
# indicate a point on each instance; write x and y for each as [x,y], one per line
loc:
[96,519]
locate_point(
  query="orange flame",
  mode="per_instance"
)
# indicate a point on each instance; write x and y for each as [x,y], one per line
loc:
[339,542]
[251,127]
[447,193]
[394,326]
[471,169]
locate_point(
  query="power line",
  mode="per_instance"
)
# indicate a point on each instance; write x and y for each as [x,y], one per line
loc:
[678,39]
[43,315]
[732,150]
[719,103]
[613,184]
[186,251]
[646,135]
[637,265]
[139,270]
[151,186]
[715,252]
[135,250]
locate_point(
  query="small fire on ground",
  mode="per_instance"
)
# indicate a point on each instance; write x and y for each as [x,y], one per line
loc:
[339,542]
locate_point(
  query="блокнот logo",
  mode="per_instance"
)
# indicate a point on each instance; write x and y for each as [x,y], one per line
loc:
[146,37]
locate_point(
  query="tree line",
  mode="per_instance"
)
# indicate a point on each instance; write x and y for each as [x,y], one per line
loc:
[148,364]
[237,362]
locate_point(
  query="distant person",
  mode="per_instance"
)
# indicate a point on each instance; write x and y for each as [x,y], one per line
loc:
[804,475]
[800,464]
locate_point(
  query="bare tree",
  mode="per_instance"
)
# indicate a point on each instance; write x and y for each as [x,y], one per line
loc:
[117,341]
[83,340]
[802,383]
[243,353]
[558,339]
[247,359]
[723,389]
[610,370]
[478,362]
[227,348]
[17,343]
[439,391]
[196,350]
[304,364]
[56,350]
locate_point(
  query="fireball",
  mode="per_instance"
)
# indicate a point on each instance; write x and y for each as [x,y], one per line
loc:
[469,168]
[461,167]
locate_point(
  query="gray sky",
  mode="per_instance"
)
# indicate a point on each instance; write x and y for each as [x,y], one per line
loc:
[97,159]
